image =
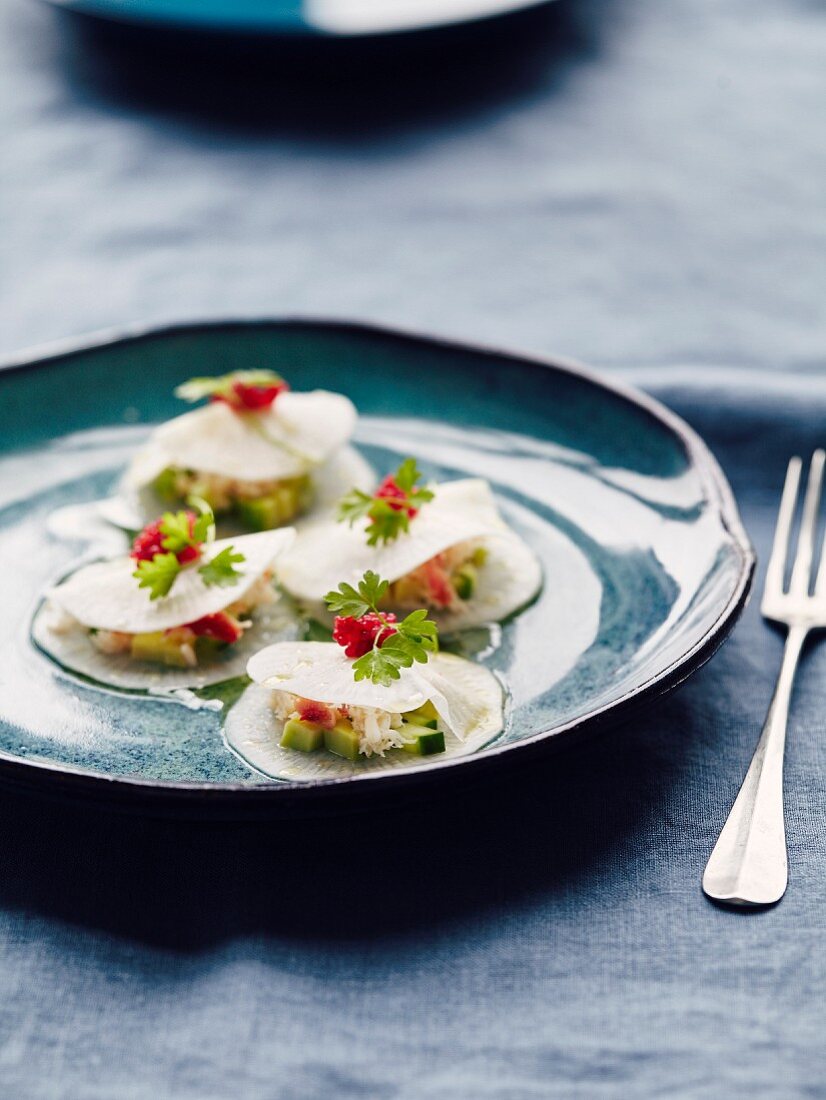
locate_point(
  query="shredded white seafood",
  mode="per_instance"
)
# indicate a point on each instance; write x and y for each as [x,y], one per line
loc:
[379,730]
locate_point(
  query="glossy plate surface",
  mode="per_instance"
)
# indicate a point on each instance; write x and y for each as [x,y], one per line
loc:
[326,17]
[646,563]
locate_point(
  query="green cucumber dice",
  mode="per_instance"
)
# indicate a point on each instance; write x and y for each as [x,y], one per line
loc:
[426,715]
[425,741]
[262,514]
[465,580]
[207,649]
[280,506]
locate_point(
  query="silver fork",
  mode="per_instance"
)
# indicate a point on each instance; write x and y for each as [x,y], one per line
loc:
[748,865]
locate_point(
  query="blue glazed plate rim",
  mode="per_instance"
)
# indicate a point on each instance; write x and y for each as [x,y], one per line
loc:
[334,795]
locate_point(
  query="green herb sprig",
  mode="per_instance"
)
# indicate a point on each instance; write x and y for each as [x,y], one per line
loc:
[221,570]
[222,385]
[159,573]
[412,640]
[389,514]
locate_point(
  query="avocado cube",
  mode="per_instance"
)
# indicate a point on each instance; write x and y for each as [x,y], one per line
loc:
[265,513]
[304,736]
[160,647]
[260,514]
[276,508]
[343,740]
[425,741]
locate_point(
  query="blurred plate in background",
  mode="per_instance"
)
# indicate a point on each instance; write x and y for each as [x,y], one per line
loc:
[326,17]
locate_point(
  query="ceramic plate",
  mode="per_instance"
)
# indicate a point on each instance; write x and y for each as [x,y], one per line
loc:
[646,563]
[326,17]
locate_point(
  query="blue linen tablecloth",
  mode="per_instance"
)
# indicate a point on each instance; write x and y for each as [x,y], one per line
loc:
[639,185]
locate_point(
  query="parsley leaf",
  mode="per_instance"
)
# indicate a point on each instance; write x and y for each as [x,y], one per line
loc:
[221,569]
[419,497]
[407,475]
[420,630]
[388,509]
[174,528]
[354,603]
[355,505]
[203,529]
[386,523]
[158,575]
[383,665]
[412,640]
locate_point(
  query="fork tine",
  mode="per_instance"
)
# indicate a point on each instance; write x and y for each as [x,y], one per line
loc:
[820,583]
[777,562]
[801,573]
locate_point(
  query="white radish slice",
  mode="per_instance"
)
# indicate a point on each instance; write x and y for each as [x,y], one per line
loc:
[291,438]
[106,595]
[343,471]
[321,671]
[327,553]
[74,651]
[472,693]
[133,508]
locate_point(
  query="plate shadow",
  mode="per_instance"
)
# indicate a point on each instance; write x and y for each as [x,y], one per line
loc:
[318,89]
[188,886]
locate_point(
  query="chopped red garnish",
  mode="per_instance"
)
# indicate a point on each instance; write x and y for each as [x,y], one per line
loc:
[221,626]
[320,714]
[395,496]
[150,542]
[440,590]
[245,398]
[358,636]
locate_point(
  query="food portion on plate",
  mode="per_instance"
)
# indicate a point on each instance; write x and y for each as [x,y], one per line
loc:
[257,451]
[182,609]
[185,609]
[380,687]
[442,546]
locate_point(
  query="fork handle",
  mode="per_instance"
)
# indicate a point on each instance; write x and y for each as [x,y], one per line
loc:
[748,865]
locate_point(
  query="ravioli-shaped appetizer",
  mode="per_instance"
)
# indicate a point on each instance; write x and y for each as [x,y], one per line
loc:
[257,451]
[379,695]
[441,546]
[182,610]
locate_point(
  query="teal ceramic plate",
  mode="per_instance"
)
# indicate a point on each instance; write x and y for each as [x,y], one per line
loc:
[646,563]
[325,17]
